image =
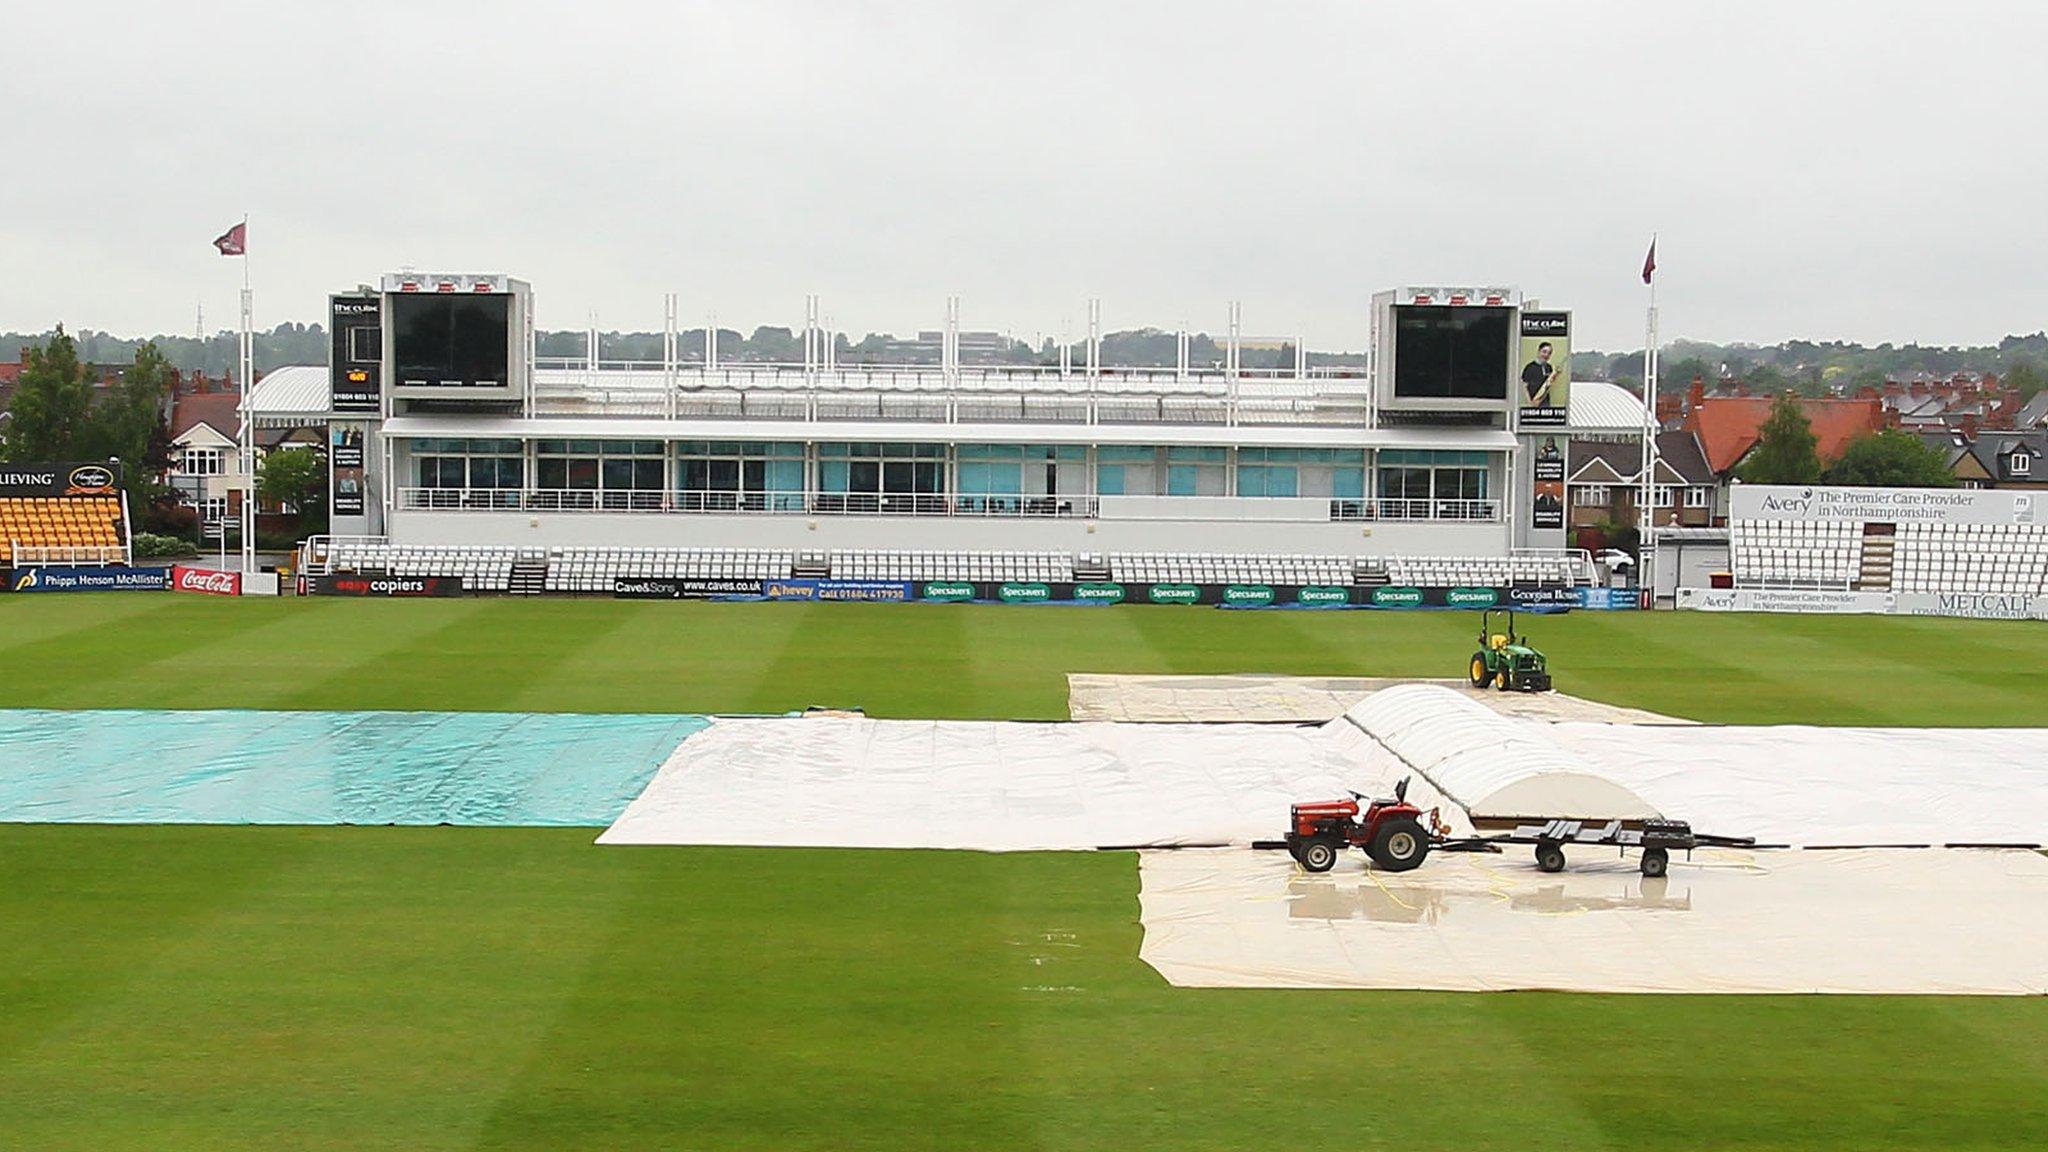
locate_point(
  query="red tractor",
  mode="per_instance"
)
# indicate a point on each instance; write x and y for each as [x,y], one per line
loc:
[1391,832]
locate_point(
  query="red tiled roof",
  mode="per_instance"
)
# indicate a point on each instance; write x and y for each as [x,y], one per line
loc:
[1727,426]
[215,409]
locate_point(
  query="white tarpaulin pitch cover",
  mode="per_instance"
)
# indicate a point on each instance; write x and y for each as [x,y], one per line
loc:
[1003,787]
[1000,786]
[1871,921]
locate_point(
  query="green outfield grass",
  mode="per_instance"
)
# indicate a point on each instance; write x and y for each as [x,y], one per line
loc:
[136,650]
[281,988]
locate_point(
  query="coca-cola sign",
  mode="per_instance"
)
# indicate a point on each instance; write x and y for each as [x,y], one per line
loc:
[206,580]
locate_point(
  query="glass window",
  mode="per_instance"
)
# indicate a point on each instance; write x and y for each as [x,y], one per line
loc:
[1348,483]
[1267,480]
[979,478]
[1109,479]
[1404,483]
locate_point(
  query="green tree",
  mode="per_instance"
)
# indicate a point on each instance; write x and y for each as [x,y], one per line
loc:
[296,478]
[1890,459]
[2025,377]
[52,405]
[1784,452]
[128,422]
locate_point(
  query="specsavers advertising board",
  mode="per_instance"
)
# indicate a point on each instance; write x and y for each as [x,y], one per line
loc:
[1544,381]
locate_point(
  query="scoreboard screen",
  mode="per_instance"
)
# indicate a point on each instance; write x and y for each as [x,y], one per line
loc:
[1452,353]
[451,341]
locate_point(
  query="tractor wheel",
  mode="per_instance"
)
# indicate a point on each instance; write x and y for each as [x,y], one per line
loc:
[1656,862]
[1318,855]
[1550,856]
[1399,845]
[1505,679]
[1481,674]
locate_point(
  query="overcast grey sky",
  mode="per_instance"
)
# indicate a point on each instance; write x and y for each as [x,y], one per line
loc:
[1869,171]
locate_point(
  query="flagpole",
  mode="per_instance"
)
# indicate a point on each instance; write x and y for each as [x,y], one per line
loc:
[1646,531]
[247,369]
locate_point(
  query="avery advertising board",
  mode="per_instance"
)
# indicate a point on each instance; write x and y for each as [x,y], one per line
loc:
[1893,505]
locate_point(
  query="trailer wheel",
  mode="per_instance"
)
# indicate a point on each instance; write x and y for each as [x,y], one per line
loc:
[1481,675]
[1318,856]
[1550,856]
[1399,845]
[1656,862]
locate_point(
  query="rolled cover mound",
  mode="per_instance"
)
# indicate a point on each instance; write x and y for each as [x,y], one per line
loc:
[1498,769]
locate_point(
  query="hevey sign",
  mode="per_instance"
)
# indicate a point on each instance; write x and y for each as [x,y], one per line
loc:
[206,580]
[56,480]
[1885,505]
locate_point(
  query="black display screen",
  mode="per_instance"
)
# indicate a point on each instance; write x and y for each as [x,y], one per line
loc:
[1451,353]
[451,341]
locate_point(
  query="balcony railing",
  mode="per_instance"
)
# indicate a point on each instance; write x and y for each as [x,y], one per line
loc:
[1415,509]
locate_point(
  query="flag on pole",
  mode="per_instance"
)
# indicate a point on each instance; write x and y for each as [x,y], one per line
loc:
[235,241]
[1650,261]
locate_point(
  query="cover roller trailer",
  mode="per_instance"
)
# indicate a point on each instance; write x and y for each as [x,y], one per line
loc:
[1656,839]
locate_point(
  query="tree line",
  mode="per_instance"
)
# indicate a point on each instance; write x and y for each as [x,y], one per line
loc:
[1824,368]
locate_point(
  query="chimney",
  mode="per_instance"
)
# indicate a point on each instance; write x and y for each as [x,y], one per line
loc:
[1968,426]
[1696,394]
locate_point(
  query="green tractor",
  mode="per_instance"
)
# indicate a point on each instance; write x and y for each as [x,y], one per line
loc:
[1507,661]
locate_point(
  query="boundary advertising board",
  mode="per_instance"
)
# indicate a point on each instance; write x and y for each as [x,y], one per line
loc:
[387,587]
[207,580]
[1530,598]
[1893,505]
[47,578]
[1962,605]
[869,590]
[670,588]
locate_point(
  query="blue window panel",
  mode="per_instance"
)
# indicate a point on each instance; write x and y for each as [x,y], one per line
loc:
[1181,480]
[1348,483]
[1267,480]
[786,475]
[832,475]
[1109,479]
[991,479]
